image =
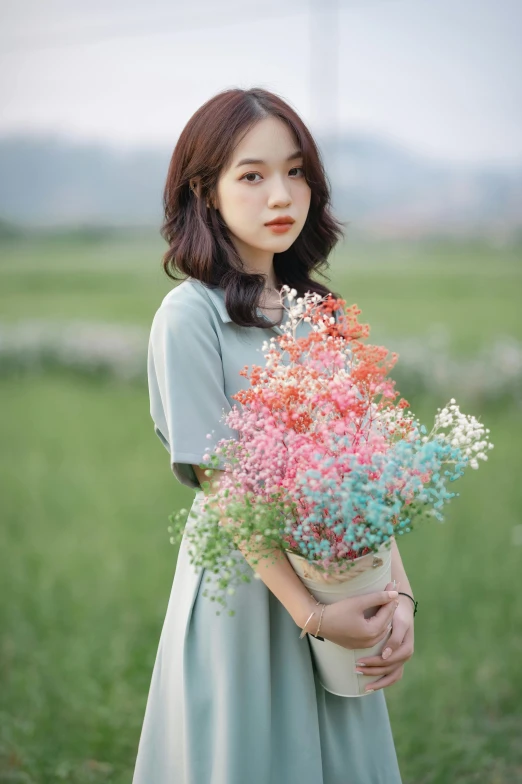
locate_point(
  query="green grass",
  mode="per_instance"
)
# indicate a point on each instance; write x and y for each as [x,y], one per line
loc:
[472,292]
[85,563]
[117,280]
[86,576]
[472,289]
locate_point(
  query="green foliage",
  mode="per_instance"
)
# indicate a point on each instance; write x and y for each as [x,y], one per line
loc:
[230,550]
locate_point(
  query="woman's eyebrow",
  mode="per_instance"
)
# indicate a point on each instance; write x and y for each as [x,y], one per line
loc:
[294,156]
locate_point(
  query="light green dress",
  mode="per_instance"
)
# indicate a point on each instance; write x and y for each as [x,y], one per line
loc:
[236,700]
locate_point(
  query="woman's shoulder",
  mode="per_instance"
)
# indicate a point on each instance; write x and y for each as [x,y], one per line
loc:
[188,300]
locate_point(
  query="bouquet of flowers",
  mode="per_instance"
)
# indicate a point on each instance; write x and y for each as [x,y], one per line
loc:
[329,465]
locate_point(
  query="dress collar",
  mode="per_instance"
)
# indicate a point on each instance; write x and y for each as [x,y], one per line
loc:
[218,298]
[217,295]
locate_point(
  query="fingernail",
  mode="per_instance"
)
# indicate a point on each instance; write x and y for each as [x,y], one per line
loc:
[359,672]
[360,664]
[394,584]
[369,691]
[386,653]
[393,594]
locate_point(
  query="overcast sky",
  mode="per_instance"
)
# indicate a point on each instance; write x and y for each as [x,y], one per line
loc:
[441,77]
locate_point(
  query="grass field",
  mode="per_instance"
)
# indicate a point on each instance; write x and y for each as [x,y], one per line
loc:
[86,567]
[402,288]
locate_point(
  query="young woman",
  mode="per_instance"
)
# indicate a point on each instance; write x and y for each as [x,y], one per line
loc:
[235,700]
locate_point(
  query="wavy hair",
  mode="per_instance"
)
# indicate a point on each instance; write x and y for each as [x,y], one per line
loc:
[199,244]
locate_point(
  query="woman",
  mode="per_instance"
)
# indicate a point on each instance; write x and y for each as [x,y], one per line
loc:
[236,700]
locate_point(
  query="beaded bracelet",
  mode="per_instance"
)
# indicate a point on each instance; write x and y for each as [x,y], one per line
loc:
[413,600]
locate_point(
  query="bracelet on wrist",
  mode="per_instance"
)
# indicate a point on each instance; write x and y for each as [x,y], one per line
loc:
[316,635]
[401,593]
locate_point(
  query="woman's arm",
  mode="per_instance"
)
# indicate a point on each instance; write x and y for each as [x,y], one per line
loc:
[398,573]
[279,577]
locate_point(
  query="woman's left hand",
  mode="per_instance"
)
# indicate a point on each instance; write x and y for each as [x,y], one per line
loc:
[400,646]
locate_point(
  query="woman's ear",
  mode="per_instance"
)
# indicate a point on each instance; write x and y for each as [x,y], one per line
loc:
[195,187]
[212,201]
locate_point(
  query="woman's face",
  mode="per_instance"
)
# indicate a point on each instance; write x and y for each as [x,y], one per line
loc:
[264,180]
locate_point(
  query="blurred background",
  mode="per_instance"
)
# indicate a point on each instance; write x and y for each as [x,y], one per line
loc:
[417,110]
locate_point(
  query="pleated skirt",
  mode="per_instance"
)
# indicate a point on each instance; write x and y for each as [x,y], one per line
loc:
[236,700]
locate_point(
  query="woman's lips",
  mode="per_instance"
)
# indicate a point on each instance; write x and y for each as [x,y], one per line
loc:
[280,228]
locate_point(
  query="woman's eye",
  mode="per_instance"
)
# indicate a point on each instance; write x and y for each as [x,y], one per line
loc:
[256,174]
[250,174]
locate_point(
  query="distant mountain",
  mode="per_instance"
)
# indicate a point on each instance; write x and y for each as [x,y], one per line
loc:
[48,180]
[378,187]
[388,190]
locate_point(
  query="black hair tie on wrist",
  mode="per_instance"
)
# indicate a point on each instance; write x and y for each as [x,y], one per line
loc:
[413,600]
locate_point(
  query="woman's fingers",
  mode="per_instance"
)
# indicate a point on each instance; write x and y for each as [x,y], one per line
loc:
[380,599]
[399,656]
[387,680]
[379,624]
[386,669]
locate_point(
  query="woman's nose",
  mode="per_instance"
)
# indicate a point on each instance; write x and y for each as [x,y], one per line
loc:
[279,192]
[279,195]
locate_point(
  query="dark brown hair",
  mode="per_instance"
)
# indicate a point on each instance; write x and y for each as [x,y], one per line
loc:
[199,243]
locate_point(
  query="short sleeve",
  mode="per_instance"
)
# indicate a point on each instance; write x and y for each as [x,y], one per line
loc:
[186,386]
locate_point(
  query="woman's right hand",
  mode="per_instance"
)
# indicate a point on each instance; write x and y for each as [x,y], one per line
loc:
[348,623]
